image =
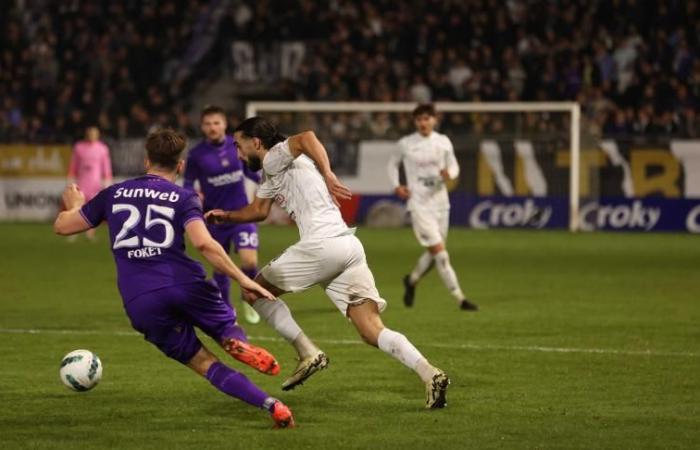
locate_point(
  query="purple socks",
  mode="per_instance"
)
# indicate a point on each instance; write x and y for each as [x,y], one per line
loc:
[236,385]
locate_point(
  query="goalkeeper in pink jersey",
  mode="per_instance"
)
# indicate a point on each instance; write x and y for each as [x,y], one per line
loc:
[90,167]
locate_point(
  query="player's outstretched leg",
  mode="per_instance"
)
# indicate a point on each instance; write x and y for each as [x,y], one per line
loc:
[365,317]
[218,320]
[423,265]
[237,385]
[278,316]
[311,358]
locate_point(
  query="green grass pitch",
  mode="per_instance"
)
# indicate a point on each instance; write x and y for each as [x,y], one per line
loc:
[582,341]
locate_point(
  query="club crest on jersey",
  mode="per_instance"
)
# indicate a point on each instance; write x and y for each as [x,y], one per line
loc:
[281,200]
[225,162]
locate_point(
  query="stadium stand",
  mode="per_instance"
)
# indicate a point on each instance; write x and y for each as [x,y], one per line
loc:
[633,65]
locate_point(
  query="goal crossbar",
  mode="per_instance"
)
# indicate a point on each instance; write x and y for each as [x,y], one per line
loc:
[573,108]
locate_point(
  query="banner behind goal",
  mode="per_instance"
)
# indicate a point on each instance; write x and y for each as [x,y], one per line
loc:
[520,161]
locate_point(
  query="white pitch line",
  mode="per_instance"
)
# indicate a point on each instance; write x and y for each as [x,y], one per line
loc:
[522,348]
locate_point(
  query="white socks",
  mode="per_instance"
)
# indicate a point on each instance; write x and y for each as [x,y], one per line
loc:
[424,264]
[304,346]
[448,275]
[277,315]
[398,346]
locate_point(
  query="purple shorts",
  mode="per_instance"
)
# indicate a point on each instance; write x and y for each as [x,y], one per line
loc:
[244,235]
[167,317]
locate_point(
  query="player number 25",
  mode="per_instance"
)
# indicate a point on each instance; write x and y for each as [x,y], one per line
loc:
[121,240]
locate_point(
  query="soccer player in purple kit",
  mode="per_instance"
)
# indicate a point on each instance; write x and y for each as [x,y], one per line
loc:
[214,164]
[165,293]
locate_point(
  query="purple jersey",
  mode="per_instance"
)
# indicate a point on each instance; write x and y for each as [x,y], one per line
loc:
[146,218]
[220,174]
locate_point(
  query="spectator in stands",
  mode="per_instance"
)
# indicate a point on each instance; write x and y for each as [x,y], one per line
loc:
[88,59]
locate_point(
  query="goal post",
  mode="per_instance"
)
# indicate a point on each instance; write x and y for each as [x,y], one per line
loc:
[570,110]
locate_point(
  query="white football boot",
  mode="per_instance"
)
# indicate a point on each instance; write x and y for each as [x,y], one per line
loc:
[306,367]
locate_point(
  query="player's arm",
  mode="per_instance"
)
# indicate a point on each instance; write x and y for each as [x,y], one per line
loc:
[308,144]
[393,169]
[450,172]
[258,210]
[213,252]
[71,221]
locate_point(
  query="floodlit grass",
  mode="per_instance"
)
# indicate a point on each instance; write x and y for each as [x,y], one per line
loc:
[582,341]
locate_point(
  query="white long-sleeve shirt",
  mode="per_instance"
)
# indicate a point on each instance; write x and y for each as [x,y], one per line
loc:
[423,158]
[297,186]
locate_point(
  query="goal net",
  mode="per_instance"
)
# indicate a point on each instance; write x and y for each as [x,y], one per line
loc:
[520,162]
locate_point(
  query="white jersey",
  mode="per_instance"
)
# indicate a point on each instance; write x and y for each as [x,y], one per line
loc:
[298,187]
[423,158]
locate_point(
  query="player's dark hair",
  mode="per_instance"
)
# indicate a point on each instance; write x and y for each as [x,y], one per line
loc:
[424,108]
[164,147]
[210,110]
[262,129]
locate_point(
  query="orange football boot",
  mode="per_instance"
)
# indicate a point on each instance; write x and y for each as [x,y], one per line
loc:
[282,416]
[256,357]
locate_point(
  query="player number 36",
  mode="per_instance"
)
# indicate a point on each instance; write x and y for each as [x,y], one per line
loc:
[246,239]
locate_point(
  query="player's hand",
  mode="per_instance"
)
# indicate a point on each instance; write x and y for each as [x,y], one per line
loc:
[251,289]
[402,192]
[337,189]
[450,183]
[215,216]
[73,197]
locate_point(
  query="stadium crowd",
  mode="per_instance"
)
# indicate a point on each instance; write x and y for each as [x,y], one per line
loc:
[633,65]
[65,65]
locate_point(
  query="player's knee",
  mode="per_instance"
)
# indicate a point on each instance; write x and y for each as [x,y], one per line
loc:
[202,361]
[368,326]
[249,263]
[370,337]
[249,258]
[436,249]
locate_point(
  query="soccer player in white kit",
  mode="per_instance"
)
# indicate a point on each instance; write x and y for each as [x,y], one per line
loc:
[297,176]
[430,164]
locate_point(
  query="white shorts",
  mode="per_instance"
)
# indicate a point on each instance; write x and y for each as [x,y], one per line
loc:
[430,227]
[338,264]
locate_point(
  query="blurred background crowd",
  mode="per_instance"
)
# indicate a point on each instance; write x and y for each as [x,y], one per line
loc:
[129,65]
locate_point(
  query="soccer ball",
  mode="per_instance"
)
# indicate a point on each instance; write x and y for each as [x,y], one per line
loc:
[81,370]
